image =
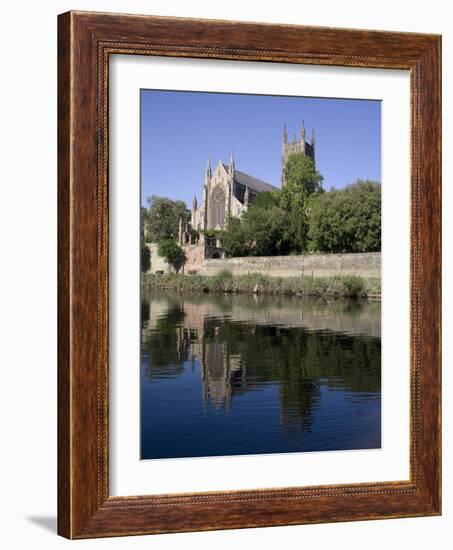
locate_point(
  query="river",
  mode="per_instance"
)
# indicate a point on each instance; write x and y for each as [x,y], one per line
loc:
[240,374]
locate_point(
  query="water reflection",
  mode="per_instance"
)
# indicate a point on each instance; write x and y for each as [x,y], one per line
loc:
[243,374]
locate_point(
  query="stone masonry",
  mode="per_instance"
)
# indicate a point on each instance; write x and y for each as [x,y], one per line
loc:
[314,265]
[365,265]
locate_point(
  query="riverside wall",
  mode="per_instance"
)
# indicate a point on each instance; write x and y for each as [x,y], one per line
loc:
[157,263]
[193,253]
[366,265]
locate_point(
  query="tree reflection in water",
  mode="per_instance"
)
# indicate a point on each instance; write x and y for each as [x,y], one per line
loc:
[244,344]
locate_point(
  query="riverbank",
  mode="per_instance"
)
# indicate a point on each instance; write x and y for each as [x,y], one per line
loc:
[256,283]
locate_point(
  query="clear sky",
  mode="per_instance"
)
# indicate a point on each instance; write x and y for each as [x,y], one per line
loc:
[180,129]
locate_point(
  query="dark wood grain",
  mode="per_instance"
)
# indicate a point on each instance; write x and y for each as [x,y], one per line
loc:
[64,367]
[85,42]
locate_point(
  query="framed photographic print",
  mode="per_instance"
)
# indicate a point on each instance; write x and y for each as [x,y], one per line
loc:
[249,275]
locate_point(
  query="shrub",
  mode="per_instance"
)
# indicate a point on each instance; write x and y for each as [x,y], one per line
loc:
[172,252]
[145,257]
[224,275]
[355,286]
[222,280]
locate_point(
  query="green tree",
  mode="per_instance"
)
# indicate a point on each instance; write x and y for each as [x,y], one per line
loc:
[172,252]
[266,230]
[266,199]
[303,183]
[144,224]
[294,202]
[234,239]
[163,218]
[261,231]
[347,220]
[145,256]
[300,171]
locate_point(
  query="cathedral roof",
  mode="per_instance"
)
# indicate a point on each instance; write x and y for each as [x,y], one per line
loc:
[249,181]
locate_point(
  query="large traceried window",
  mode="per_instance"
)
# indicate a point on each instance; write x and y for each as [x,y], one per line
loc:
[217,207]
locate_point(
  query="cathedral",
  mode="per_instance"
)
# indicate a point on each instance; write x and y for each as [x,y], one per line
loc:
[228,192]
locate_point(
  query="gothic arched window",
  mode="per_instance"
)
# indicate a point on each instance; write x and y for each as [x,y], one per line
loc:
[217,207]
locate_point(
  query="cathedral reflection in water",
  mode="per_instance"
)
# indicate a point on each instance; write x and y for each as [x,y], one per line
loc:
[242,343]
[223,374]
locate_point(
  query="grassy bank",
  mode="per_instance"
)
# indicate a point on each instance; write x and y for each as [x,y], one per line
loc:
[256,283]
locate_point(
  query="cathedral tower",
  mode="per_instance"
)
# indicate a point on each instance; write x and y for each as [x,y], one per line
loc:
[206,191]
[296,146]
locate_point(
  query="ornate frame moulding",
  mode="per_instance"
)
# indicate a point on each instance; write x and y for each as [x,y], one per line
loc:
[85,41]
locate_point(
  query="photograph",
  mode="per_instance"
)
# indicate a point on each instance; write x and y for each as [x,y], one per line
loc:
[223,232]
[260,274]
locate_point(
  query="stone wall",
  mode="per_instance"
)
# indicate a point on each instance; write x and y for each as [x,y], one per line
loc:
[194,254]
[316,265]
[312,265]
[157,263]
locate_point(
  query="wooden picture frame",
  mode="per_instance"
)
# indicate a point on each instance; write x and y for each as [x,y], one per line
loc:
[85,42]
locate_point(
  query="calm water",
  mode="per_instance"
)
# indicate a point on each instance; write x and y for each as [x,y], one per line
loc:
[226,375]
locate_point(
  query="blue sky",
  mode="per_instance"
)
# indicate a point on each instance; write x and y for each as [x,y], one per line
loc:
[180,129]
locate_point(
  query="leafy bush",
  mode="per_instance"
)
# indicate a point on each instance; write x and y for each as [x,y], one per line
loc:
[234,239]
[172,252]
[221,280]
[145,257]
[354,285]
[339,286]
